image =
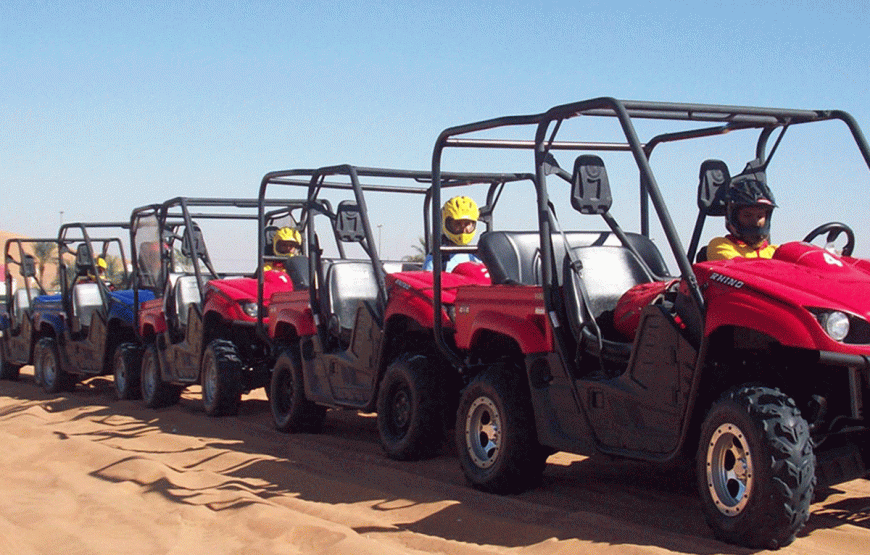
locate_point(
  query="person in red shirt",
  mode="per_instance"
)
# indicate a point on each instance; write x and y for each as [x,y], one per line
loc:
[748,212]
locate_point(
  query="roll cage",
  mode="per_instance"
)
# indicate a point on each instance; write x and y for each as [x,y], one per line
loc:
[547,141]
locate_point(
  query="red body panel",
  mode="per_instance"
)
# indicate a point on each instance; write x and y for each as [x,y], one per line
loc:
[152,317]
[224,295]
[411,293]
[770,296]
[290,309]
[514,311]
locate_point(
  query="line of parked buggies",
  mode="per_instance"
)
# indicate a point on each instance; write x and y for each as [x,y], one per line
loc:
[757,372]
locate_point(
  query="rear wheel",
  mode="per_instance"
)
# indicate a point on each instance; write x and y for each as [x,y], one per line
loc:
[756,468]
[127,369]
[495,433]
[8,371]
[47,365]
[291,411]
[155,392]
[221,378]
[411,408]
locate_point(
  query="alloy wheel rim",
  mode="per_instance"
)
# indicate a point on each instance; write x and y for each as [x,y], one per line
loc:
[483,432]
[730,472]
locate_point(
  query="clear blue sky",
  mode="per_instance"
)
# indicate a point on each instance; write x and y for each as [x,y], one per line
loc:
[105,106]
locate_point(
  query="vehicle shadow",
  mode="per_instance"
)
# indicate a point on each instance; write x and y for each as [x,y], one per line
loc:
[248,462]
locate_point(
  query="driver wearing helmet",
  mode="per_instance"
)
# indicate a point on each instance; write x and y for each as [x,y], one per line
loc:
[286,242]
[458,225]
[748,211]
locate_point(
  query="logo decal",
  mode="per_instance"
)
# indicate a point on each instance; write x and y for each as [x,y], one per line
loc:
[829,258]
[725,280]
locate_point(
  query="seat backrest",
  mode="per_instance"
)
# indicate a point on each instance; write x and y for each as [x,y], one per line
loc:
[713,181]
[515,257]
[86,300]
[607,272]
[21,304]
[297,270]
[347,283]
[186,294]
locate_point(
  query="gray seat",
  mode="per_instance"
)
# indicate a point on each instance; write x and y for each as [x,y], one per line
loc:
[186,294]
[607,273]
[21,305]
[348,283]
[86,301]
[514,256]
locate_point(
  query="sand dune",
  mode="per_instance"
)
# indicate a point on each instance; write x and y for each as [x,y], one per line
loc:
[83,473]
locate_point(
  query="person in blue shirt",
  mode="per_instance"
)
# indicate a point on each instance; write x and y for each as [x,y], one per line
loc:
[458,226]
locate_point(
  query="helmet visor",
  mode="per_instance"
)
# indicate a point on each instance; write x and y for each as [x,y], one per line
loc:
[286,247]
[460,226]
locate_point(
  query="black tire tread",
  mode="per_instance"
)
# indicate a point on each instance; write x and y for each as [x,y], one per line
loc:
[426,432]
[522,459]
[301,415]
[774,518]
[229,378]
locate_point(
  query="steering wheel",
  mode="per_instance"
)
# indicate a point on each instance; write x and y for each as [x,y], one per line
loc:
[834,229]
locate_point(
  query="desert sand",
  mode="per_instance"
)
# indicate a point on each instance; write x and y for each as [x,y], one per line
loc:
[84,473]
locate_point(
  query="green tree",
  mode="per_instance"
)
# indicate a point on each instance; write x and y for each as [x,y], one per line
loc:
[420,256]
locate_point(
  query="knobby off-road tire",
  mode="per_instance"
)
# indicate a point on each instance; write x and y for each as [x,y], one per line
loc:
[221,375]
[496,438]
[291,411]
[411,408]
[755,468]
[155,392]
[46,362]
[8,371]
[127,370]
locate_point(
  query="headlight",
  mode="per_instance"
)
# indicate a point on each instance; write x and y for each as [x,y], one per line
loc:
[835,324]
[249,308]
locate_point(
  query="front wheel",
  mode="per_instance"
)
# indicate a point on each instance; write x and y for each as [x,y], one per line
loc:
[47,366]
[411,408]
[127,369]
[496,438]
[155,392]
[291,411]
[755,468]
[221,378]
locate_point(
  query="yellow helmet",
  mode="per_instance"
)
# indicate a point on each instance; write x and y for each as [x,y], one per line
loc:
[101,263]
[286,239]
[456,210]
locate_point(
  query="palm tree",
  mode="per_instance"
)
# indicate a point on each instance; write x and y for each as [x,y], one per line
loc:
[44,252]
[421,252]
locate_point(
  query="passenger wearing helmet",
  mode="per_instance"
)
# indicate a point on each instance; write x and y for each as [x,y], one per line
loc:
[102,267]
[748,212]
[286,242]
[458,225]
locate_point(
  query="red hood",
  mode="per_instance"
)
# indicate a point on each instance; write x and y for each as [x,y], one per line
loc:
[799,274]
[245,289]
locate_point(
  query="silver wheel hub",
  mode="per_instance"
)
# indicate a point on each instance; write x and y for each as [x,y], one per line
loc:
[483,432]
[730,471]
